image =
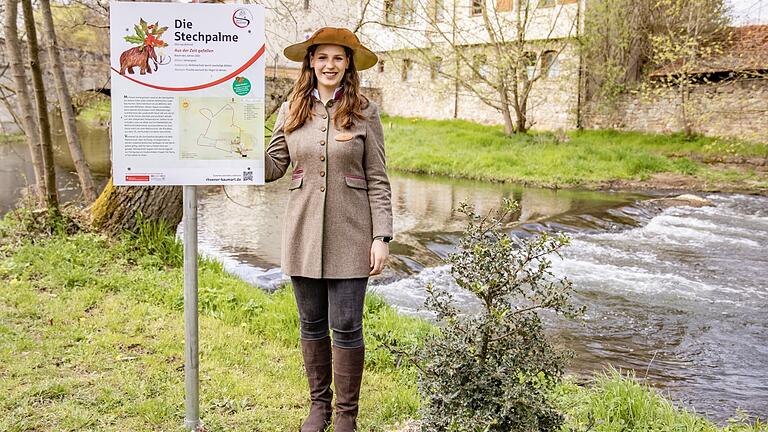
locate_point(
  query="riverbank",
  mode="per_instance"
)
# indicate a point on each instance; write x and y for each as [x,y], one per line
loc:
[598,160]
[91,337]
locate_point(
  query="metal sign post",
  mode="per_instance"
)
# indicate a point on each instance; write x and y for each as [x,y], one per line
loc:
[191,355]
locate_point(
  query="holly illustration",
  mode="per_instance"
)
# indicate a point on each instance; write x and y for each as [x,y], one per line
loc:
[147,35]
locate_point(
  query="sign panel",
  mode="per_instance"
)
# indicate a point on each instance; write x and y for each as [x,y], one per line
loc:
[187,93]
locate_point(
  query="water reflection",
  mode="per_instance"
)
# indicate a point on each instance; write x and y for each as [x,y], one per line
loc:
[16,173]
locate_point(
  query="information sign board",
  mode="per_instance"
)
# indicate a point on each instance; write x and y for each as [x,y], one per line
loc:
[187,93]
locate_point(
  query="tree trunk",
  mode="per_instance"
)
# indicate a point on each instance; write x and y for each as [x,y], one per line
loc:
[16,61]
[506,113]
[44,124]
[65,102]
[521,114]
[117,208]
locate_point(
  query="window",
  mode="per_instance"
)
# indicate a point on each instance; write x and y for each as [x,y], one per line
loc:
[306,4]
[381,66]
[529,61]
[549,65]
[435,68]
[398,11]
[437,11]
[503,5]
[547,3]
[480,63]
[477,7]
[389,12]
[407,72]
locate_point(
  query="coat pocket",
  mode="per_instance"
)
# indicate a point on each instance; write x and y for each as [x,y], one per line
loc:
[356,182]
[296,182]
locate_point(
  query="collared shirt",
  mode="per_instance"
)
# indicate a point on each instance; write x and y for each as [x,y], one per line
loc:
[336,93]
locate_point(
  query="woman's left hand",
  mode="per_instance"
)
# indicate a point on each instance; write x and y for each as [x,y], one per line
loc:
[379,254]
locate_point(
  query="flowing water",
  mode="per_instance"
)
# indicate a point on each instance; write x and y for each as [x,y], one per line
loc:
[679,296]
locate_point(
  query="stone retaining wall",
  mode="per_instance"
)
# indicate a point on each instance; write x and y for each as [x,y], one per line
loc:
[737,109]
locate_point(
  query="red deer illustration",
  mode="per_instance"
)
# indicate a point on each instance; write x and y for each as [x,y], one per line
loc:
[138,57]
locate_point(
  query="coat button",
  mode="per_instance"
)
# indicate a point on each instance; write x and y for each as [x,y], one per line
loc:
[322,128]
[322,142]
[322,173]
[322,158]
[322,188]
[325,116]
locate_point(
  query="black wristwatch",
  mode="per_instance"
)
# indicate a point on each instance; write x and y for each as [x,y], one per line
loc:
[385,239]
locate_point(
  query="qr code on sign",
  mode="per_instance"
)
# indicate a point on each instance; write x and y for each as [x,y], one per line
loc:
[247,175]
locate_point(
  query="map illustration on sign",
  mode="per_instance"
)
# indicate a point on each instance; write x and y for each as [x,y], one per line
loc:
[216,128]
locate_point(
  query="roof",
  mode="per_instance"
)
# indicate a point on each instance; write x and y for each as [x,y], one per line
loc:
[745,50]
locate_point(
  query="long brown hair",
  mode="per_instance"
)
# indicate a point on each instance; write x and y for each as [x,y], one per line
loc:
[349,107]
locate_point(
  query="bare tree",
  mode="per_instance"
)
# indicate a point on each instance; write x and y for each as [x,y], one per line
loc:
[655,47]
[692,32]
[6,98]
[65,104]
[23,97]
[41,101]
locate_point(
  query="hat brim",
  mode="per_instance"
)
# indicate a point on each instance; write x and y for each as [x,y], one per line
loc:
[363,57]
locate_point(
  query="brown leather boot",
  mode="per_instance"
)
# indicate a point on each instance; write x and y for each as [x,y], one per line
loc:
[347,376]
[317,364]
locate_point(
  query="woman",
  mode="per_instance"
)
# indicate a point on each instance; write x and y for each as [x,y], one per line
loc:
[339,218]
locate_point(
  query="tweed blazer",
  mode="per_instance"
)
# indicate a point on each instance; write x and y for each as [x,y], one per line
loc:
[339,197]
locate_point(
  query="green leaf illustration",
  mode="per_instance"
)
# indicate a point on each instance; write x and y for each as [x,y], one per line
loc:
[160,31]
[134,40]
[139,32]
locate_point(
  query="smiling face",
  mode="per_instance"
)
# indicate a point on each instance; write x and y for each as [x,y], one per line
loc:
[329,63]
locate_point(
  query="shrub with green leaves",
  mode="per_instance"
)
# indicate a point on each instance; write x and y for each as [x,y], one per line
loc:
[495,370]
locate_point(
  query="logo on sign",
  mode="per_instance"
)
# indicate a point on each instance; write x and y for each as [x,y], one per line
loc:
[241,86]
[242,18]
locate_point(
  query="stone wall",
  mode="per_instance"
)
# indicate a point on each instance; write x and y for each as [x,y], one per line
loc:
[552,103]
[736,109]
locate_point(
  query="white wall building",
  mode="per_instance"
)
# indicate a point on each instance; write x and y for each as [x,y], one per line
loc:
[437,57]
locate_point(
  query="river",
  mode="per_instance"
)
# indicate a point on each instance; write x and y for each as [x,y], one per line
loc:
[678,296]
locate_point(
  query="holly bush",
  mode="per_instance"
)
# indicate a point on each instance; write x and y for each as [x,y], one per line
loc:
[495,369]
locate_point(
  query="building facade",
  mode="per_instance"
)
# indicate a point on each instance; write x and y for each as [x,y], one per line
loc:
[442,59]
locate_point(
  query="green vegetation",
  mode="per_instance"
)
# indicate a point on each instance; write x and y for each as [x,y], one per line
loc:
[11,138]
[91,338]
[464,149]
[495,369]
[93,107]
[619,403]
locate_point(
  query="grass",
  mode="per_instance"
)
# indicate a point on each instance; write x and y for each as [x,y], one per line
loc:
[464,149]
[91,338]
[617,402]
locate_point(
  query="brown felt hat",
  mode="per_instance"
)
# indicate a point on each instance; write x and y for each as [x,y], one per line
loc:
[364,58]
